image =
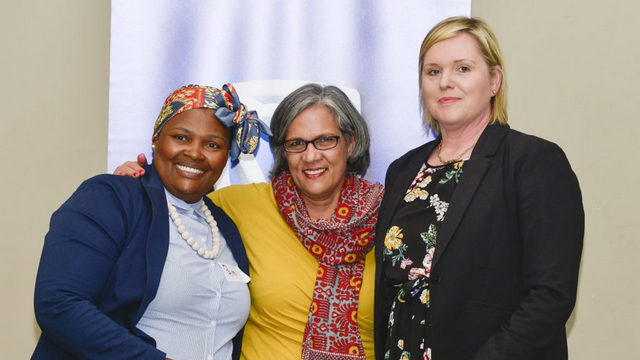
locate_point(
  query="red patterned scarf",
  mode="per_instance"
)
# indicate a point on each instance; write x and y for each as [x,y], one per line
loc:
[340,244]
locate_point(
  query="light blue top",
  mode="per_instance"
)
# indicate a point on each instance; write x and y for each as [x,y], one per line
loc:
[200,304]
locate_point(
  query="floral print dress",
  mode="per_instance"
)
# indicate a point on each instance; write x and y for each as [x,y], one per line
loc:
[409,245]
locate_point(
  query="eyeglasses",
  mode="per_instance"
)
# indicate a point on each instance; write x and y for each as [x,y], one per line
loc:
[324,142]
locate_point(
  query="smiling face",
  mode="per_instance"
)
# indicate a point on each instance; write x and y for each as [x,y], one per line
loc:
[191,152]
[318,174]
[457,84]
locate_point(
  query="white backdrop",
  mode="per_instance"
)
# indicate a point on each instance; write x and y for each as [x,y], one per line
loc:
[269,47]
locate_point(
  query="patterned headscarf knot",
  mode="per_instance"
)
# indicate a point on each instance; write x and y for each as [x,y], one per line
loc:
[245,125]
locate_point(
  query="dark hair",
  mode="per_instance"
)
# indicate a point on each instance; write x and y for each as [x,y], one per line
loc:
[349,121]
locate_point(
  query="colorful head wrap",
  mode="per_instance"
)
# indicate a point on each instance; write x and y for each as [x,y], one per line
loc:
[245,125]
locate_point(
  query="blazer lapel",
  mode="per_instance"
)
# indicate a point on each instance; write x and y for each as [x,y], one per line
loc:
[231,235]
[405,176]
[158,238]
[394,194]
[474,170]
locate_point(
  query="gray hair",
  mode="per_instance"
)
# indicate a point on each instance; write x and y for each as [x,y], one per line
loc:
[350,123]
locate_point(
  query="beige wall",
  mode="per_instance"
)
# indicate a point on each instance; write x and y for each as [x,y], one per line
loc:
[574,79]
[54,67]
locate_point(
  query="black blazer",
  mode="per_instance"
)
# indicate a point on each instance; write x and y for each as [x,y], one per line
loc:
[505,268]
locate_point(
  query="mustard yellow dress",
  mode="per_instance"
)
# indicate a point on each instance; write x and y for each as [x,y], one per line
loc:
[283,275]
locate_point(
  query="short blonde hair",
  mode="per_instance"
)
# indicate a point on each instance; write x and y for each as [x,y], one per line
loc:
[488,45]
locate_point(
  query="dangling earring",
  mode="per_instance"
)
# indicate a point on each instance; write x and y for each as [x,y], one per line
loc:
[153,147]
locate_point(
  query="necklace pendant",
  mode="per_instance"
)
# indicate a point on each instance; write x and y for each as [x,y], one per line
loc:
[456,158]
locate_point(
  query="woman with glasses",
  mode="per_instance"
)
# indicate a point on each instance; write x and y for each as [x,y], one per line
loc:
[309,233]
[309,244]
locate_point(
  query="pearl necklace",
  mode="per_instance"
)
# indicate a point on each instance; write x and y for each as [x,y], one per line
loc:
[207,254]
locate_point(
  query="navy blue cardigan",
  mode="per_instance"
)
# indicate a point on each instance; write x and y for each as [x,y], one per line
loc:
[101,265]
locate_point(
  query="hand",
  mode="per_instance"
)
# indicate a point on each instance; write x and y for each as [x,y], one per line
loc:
[132,169]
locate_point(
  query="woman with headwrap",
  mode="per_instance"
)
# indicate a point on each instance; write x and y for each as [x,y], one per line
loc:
[149,268]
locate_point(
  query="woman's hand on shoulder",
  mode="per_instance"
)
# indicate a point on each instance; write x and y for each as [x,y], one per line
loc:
[132,168]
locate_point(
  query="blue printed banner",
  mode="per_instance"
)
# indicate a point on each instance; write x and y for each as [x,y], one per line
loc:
[267,49]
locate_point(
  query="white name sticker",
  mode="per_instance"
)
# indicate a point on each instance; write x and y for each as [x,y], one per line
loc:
[233,273]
